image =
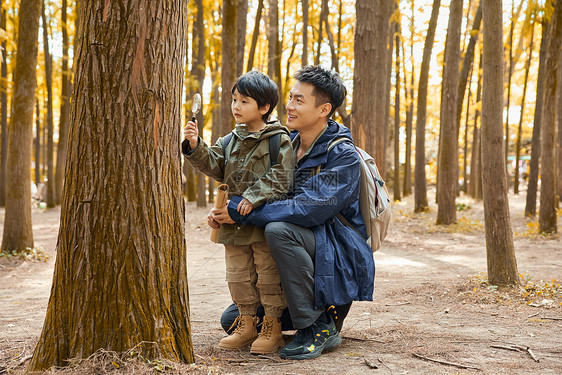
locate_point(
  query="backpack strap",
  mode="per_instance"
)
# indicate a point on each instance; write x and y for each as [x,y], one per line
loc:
[274,146]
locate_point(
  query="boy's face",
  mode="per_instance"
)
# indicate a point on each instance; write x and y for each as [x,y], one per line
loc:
[302,111]
[245,109]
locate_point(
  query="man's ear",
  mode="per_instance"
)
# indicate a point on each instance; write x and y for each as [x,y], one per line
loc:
[325,109]
[263,110]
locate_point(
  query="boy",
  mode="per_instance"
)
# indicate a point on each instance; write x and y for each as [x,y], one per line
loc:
[245,165]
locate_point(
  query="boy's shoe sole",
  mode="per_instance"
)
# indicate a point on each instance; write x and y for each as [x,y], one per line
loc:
[331,342]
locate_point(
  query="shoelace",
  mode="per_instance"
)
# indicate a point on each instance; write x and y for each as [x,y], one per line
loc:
[266,329]
[238,321]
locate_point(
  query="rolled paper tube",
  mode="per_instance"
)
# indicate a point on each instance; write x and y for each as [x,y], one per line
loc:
[220,201]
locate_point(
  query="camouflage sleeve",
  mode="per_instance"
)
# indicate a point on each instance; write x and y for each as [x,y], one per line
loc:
[207,160]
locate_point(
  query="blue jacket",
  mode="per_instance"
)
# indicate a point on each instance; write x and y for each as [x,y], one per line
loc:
[344,264]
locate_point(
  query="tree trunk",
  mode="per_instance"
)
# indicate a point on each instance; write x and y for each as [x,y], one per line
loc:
[520,127]
[448,142]
[120,276]
[304,32]
[502,266]
[396,187]
[3,114]
[370,86]
[62,147]
[274,54]
[228,65]
[465,142]
[475,165]
[420,193]
[509,75]
[198,72]
[37,143]
[393,29]
[241,26]
[531,199]
[409,112]
[51,194]
[18,234]
[255,35]
[323,10]
[559,120]
[547,213]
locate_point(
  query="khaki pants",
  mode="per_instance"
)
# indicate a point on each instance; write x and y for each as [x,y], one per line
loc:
[253,278]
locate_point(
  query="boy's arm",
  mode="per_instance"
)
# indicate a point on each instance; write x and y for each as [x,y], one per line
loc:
[207,160]
[278,179]
[322,196]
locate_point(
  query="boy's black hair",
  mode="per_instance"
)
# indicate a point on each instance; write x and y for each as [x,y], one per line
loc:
[259,87]
[328,85]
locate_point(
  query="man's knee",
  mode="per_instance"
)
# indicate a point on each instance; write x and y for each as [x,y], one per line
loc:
[276,229]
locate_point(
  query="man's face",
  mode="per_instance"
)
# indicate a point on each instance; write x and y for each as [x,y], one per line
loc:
[302,111]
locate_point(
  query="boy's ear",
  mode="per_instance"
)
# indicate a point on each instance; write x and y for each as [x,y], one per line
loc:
[263,110]
[325,109]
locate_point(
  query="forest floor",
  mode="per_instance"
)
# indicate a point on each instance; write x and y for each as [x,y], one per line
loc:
[431,300]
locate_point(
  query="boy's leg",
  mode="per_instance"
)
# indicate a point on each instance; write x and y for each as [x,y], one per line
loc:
[241,277]
[293,248]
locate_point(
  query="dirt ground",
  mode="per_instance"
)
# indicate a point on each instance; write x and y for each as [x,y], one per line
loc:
[431,300]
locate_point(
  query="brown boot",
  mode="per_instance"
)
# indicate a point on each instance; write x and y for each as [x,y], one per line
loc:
[243,335]
[270,339]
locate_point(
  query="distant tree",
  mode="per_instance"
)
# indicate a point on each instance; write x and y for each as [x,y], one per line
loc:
[465,142]
[66,85]
[502,266]
[255,36]
[120,276]
[396,182]
[51,194]
[409,97]
[241,26]
[475,186]
[228,64]
[18,233]
[448,142]
[274,54]
[198,74]
[304,32]
[37,144]
[370,87]
[3,113]
[509,78]
[547,213]
[420,192]
[531,199]
[520,127]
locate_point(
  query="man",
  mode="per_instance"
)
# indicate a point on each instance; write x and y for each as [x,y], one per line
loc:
[321,261]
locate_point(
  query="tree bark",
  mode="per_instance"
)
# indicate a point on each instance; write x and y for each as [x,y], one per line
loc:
[502,266]
[3,114]
[531,199]
[448,142]
[255,35]
[547,213]
[62,147]
[396,187]
[304,32]
[18,234]
[370,84]
[120,276]
[51,194]
[520,127]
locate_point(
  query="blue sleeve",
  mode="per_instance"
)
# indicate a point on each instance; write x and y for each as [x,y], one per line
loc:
[322,196]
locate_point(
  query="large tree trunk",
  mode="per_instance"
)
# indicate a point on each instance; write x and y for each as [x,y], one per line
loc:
[62,147]
[520,127]
[370,86]
[547,213]
[396,182]
[18,234]
[51,194]
[532,186]
[3,114]
[502,266]
[420,193]
[448,142]
[255,35]
[120,276]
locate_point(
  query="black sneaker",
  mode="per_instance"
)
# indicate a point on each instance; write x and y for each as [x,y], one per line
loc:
[310,342]
[338,314]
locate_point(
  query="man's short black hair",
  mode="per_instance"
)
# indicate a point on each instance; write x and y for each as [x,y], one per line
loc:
[328,85]
[259,87]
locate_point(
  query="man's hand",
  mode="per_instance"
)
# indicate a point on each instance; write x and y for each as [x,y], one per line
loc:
[221,216]
[212,222]
[244,207]
[191,134]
